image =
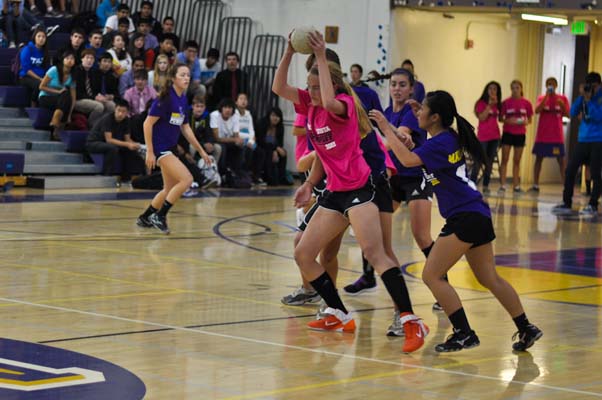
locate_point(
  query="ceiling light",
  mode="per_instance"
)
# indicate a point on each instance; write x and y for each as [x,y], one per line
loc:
[545,18]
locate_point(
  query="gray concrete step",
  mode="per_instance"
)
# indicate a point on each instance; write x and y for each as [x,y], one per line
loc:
[60,169]
[13,145]
[49,157]
[15,122]
[24,134]
[45,146]
[10,112]
[71,182]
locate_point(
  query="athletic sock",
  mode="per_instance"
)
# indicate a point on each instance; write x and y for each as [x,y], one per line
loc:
[367,268]
[521,322]
[164,208]
[459,320]
[325,288]
[396,286]
[150,210]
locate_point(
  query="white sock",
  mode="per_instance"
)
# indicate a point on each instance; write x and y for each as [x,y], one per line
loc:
[49,9]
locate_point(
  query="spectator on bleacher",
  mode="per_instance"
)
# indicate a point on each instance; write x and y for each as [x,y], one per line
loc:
[199,122]
[34,61]
[95,43]
[57,92]
[146,13]
[210,66]
[122,28]
[158,76]
[190,57]
[108,85]
[166,47]
[126,80]
[137,124]
[87,80]
[136,47]
[50,11]
[122,62]
[231,81]
[105,10]
[224,124]
[253,155]
[138,95]
[355,74]
[17,19]
[150,40]
[76,45]
[270,137]
[123,11]
[111,137]
[419,91]
[169,26]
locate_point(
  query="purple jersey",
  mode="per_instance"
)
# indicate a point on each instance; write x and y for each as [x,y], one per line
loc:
[172,113]
[368,97]
[446,170]
[405,117]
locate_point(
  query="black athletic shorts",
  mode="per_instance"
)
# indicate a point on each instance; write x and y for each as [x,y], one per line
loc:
[513,140]
[382,194]
[343,201]
[310,213]
[470,227]
[406,188]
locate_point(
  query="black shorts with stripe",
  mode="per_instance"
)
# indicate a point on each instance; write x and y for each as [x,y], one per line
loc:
[342,202]
[409,188]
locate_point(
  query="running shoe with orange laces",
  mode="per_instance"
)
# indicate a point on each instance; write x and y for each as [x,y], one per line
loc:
[334,320]
[415,332]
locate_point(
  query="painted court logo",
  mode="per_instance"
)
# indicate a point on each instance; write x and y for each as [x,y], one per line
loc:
[31,371]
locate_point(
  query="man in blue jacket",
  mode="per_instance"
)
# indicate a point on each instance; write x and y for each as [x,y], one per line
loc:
[588,150]
[105,10]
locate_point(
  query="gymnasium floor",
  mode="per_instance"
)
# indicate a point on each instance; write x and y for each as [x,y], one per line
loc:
[197,314]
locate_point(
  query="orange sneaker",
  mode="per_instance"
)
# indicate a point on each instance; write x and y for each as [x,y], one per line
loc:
[415,332]
[334,321]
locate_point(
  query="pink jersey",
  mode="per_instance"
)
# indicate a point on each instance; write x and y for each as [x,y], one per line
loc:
[488,129]
[337,142]
[516,108]
[301,145]
[388,162]
[549,128]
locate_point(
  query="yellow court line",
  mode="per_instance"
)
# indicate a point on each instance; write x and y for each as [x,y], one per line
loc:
[100,277]
[345,381]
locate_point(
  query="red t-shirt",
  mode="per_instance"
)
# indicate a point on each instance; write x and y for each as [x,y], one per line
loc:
[549,128]
[516,108]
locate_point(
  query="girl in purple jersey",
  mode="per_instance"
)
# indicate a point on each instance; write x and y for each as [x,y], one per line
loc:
[336,121]
[468,230]
[167,118]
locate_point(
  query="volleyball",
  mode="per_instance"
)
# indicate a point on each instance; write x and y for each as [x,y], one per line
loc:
[300,39]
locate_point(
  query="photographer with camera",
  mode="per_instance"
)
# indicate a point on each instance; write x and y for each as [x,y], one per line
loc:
[588,150]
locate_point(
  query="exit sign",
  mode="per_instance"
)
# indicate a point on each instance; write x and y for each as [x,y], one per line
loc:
[579,28]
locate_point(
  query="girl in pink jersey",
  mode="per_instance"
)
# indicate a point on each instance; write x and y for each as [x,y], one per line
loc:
[549,141]
[516,114]
[487,109]
[336,121]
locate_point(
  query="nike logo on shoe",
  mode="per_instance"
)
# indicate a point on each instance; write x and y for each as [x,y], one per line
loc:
[327,323]
[355,201]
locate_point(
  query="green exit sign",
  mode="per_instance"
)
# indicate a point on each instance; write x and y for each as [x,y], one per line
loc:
[579,28]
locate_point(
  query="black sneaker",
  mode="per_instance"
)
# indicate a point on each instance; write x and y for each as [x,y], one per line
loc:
[562,209]
[143,222]
[159,222]
[526,338]
[458,341]
[437,307]
[362,285]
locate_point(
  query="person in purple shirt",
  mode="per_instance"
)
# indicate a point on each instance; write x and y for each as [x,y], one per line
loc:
[166,119]
[468,230]
[419,91]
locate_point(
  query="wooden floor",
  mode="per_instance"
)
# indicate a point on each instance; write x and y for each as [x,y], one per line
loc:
[197,314]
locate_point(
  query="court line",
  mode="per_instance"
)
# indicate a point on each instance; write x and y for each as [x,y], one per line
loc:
[299,348]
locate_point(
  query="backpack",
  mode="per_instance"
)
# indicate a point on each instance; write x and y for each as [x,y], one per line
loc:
[87,20]
[210,172]
[238,180]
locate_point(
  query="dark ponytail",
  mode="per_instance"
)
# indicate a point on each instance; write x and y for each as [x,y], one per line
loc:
[442,103]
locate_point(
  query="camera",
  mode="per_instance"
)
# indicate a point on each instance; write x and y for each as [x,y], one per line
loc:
[550,89]
[587,88]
